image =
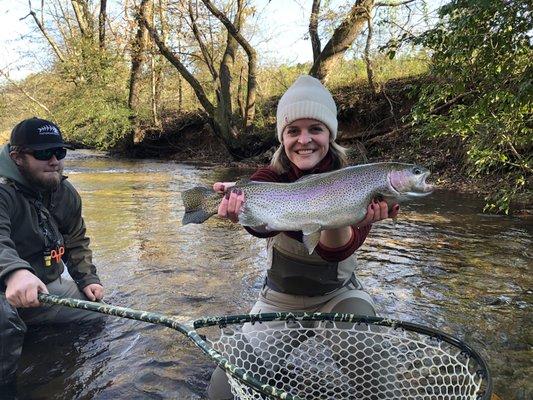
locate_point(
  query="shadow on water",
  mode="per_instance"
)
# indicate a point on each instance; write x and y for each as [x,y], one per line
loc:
[441,264]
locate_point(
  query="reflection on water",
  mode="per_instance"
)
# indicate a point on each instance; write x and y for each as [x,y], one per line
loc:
[441,264]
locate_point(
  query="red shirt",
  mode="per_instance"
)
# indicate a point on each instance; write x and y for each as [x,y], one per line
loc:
[267,174]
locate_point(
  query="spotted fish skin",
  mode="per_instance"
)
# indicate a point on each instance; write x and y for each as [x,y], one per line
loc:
[319,201]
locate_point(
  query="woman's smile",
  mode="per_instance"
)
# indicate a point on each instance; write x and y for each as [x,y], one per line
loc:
[306,142]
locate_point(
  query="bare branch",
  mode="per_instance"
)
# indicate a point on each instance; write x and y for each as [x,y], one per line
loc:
[59,19]
[25,93]
[207,58]
[165,51]
[42,12]
[392,4]
[366,55]
[51,41]
[65,16]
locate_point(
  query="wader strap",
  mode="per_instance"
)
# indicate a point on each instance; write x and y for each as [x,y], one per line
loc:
[355,282]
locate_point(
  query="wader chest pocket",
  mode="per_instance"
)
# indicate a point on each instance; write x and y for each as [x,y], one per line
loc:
[309,278]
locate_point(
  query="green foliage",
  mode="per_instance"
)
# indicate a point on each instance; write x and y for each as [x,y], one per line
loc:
[95,117]
[481,65]
[93,111]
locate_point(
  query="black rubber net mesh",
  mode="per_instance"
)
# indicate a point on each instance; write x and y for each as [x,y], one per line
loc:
[326,360]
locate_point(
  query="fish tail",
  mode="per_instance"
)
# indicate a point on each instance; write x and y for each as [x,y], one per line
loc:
[200,203]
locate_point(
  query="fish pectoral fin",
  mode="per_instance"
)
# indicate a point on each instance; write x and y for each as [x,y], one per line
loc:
[249,220]
[311,236]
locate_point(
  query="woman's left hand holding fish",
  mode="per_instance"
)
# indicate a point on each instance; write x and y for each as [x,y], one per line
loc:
[231,204]
[376,211]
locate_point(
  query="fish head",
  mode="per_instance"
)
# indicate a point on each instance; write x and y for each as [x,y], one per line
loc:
[409,180]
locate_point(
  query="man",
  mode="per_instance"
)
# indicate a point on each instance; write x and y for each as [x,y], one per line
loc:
[41,231]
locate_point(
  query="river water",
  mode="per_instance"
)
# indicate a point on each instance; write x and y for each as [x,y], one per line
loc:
[442,264]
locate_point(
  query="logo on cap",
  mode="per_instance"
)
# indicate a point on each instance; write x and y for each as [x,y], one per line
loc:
[48,130]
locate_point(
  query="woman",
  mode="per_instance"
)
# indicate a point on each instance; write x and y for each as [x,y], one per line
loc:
[323,281]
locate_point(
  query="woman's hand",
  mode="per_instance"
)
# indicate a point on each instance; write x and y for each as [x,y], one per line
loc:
[232,202]
[377,211]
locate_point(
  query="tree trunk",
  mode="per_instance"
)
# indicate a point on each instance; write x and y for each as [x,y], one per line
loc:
[159,77]
[313,29]
[155,97]
[368,61]
[102,17]
[138,53]
[342,39]
[84,17]
[252,59]
[224,107]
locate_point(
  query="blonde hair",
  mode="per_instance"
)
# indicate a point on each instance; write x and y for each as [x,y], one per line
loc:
[281,163]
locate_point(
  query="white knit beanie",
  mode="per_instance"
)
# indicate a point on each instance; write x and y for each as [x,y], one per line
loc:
[307,98]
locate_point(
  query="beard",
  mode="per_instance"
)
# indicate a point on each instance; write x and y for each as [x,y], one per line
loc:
[42,181]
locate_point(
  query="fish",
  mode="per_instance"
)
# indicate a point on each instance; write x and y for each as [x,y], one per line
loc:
[314,202]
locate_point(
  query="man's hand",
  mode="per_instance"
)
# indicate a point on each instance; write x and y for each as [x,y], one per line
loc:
[22,288]
[377,211]
[94,291]
[231,203]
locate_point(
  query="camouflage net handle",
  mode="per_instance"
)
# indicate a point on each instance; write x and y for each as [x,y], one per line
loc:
[239,374]
[237,353]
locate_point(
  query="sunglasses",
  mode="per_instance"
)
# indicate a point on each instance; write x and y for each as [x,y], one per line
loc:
[45,155]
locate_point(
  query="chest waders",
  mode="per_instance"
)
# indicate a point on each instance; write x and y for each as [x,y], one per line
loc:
[292,270]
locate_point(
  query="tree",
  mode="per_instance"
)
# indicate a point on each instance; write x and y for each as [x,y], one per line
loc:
[218,60]
[481,65]
[351,26]
[90,98]
[138,58]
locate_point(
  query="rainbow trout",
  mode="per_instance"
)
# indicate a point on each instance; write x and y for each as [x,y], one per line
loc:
[314,202]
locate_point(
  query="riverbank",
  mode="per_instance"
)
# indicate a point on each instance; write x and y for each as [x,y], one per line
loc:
[372,126]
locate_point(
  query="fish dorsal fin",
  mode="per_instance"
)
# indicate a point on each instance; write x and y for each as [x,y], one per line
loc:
[306,178]
[311,236]
[243,181]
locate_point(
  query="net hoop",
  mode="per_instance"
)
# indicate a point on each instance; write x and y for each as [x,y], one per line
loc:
[480,390]
[240,377]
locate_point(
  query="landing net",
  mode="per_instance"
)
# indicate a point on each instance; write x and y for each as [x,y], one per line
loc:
[352,360]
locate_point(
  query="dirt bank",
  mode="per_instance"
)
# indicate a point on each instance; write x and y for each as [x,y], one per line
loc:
[372,126]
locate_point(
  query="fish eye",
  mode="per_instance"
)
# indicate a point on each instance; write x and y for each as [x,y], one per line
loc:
[417,171]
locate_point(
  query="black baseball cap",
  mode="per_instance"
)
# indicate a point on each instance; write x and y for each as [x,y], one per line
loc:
[37,134]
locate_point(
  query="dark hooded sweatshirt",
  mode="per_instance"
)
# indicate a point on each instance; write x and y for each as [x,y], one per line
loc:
[34,223]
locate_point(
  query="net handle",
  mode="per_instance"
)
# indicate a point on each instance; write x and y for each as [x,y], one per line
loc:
[170,322]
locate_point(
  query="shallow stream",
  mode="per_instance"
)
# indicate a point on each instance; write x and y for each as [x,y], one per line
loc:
[443,264]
